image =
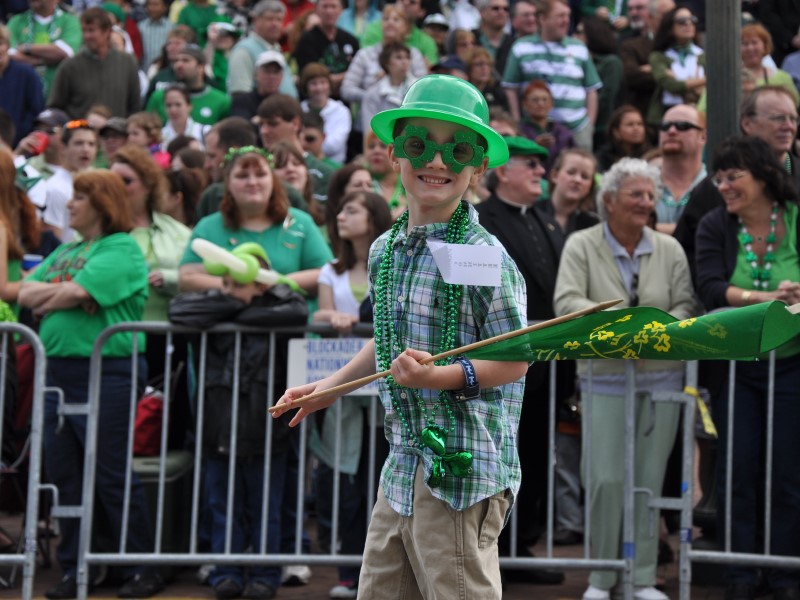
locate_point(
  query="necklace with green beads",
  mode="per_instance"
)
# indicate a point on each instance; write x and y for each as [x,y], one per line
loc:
[432,436]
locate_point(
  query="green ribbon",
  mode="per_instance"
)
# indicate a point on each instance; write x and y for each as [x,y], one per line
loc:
[747,333]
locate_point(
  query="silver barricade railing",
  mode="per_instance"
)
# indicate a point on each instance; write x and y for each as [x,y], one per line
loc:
[87,557]
[26,557]
[726,555]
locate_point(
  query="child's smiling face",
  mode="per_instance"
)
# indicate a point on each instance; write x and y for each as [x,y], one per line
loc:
[434,186]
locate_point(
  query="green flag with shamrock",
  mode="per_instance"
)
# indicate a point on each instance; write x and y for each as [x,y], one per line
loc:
[747,333]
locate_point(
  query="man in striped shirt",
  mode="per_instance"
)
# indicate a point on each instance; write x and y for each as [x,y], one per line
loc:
[154,30]
[564,64]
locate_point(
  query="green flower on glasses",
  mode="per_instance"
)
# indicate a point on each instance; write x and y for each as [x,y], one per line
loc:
[415,145]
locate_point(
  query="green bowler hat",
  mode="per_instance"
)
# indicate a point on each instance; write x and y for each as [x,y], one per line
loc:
[445,98]
[522,146]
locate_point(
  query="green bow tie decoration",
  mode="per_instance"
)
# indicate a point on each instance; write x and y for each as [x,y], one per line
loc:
[458,463]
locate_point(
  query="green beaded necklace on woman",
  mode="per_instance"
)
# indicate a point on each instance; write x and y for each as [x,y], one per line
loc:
[431,436]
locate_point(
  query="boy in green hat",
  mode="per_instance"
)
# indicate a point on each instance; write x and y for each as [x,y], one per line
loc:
[453,469]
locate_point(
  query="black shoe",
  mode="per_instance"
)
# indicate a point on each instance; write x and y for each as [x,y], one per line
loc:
[565,537]
[64,589]
[787,593]
[141,586]
[740,591]
[227,588]
[665,553]
[258,590]
[535,576]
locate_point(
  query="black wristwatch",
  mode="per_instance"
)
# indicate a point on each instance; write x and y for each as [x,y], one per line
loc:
[472,388]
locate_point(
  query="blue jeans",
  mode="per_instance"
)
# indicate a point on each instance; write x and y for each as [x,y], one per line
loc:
[247,507]
[749,444]
[64,454]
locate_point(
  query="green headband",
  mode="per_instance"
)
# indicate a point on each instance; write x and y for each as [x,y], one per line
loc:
[236,152]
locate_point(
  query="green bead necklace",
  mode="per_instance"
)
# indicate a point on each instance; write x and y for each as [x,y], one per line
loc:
[432,436]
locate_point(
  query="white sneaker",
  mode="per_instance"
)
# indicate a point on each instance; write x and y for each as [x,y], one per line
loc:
[649,593]
[593,593]
[345,589]
[296,575]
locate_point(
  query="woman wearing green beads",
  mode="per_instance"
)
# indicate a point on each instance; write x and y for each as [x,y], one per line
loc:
[453,469]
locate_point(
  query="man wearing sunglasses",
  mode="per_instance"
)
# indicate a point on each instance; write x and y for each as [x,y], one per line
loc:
[492,32]
[681,137]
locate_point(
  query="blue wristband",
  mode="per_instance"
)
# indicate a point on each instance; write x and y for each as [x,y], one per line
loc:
[472,388]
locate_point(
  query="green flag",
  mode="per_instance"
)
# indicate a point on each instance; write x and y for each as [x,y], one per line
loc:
[747,333]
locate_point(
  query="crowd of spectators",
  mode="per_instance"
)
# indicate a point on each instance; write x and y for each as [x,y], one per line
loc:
[135,126]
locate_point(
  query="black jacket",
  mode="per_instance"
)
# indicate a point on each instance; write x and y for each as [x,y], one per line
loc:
[279,306]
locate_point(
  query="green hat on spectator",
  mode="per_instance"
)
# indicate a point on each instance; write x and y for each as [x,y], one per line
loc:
[522,146]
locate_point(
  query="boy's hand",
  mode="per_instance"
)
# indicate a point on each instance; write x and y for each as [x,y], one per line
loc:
[284,403]
[407,371]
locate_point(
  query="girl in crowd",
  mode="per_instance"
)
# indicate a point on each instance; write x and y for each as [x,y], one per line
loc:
[178,106]
[387,182]
[291,168]
[362,217]
[144,130]
[315,83]
[572,193]
[627,137]
[185,187]
[350,178]
[536,124]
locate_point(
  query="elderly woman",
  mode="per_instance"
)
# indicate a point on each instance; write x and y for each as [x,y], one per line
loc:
[623,258]
[78,291]
[758,68]
[747,252]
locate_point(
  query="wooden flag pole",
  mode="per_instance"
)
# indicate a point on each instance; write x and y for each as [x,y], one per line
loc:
[344,388]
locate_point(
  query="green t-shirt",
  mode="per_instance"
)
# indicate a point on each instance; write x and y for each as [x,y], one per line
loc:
[199,18]
[294,245]
[418,39]
[208,106]
[63,27]
[785,266]
[113,271]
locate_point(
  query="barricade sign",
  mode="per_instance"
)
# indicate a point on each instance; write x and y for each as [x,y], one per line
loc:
[313,359]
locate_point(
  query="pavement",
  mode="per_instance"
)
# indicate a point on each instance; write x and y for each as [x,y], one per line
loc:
[185,586]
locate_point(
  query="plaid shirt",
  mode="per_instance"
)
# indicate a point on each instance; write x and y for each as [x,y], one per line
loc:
[486,427]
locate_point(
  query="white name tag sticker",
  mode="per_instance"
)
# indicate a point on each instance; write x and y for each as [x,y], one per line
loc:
[464,264]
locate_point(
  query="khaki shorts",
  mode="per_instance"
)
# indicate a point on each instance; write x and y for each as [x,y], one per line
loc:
[439,553]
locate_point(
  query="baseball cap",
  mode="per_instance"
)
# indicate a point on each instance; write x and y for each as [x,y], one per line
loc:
[52,117]
[271,56]
[436,19]
[229,28]
[195,51]
[117,124]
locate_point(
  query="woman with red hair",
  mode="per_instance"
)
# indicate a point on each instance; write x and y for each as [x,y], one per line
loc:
[82,288]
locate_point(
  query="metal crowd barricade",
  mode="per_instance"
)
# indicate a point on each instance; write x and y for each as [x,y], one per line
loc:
[26,557]
[725,555]
[88,557]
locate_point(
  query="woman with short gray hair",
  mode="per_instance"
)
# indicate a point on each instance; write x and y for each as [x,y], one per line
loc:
[622,257]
